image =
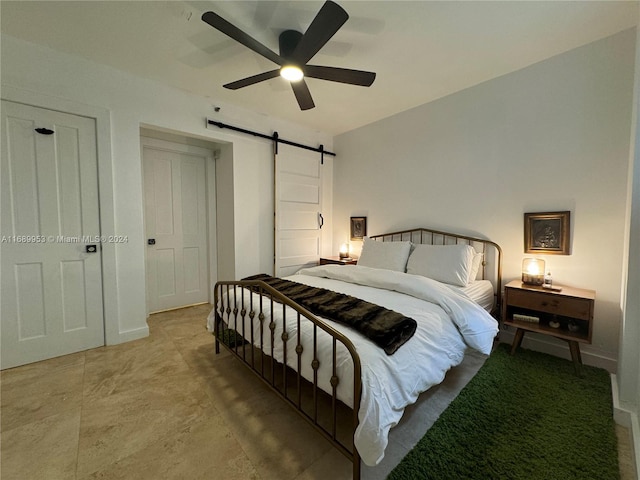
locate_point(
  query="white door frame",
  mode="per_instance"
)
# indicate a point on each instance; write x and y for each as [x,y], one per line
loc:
[210,192]
[102,117]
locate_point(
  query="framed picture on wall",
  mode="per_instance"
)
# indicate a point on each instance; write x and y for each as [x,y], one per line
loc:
[358,228]
[547,233]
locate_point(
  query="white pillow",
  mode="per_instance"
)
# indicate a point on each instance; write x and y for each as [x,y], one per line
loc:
[475,266]
[385,255]
[452,264]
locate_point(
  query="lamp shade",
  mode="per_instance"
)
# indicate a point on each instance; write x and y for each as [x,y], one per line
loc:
[344,250]
[533,271]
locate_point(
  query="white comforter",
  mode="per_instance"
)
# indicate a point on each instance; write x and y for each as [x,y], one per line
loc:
[447,322]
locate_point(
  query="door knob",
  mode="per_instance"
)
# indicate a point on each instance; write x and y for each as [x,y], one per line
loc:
[151,241]
[91,248]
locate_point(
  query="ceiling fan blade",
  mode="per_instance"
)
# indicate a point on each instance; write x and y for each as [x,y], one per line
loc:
[342,75]
[245,82]
[303,95]
[219,23]
[324,26]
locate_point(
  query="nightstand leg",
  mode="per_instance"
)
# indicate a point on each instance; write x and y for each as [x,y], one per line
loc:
[574,348]
[517,340]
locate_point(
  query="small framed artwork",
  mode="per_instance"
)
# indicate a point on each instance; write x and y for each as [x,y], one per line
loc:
[358,228]
[547,233]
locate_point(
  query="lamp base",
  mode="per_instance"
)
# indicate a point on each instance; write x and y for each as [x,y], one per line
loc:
[529,279]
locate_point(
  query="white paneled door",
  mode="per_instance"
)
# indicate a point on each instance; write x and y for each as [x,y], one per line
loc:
[51,275]
[176,224]
[299,217]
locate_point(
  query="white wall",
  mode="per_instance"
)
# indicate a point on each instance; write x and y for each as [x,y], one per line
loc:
[132,102]
[627,409]
[551,137]
[629,367]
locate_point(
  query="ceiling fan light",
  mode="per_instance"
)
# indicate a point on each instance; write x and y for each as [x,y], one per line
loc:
[291,73]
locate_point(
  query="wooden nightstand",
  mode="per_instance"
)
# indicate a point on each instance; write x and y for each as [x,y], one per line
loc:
[337,261]
[571,309]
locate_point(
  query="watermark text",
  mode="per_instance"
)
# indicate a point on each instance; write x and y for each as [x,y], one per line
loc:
[31,239]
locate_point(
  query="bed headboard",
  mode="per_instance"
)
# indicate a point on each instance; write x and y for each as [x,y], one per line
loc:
[491,268]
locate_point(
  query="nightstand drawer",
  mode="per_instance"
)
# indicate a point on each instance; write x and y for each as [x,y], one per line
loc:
[578,308]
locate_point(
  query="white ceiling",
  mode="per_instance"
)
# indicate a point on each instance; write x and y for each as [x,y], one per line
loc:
[420,50]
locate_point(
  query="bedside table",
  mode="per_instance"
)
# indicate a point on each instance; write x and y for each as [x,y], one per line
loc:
[566,314]
[337,261]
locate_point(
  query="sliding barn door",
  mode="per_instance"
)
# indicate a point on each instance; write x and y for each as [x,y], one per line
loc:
[298,209]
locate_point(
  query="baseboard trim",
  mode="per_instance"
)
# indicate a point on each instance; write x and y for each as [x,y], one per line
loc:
[130,335]
[627,419]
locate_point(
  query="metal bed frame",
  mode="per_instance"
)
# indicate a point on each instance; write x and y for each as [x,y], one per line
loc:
[285,379]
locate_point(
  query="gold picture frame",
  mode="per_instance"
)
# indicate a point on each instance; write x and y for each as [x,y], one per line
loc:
[547,233]
[358,228]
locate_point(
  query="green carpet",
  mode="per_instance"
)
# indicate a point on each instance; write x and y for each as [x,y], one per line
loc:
[524,417]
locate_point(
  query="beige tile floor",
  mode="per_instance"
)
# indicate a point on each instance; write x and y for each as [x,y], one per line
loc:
[166,407]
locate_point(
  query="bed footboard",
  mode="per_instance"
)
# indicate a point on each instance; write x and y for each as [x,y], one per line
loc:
[298,355]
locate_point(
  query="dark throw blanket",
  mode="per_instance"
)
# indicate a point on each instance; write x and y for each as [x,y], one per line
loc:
[386,328]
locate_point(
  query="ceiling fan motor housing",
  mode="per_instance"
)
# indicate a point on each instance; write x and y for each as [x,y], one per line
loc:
[288,41]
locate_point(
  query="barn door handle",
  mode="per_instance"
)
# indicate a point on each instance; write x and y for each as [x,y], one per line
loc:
[321,219]
[44,131]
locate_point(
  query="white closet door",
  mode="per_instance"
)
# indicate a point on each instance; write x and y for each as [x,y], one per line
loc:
[299,217]
[51,287]
[176,224]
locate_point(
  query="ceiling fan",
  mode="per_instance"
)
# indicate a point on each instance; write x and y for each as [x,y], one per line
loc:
[296,49]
